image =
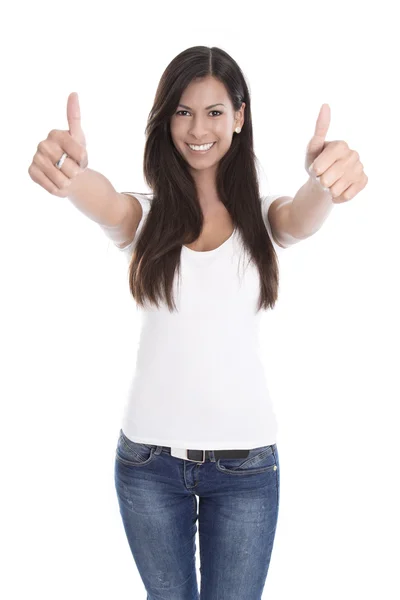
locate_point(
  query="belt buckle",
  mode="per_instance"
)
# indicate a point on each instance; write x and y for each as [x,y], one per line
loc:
[198,461]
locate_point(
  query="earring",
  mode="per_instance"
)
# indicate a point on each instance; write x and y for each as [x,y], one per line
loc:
[238,130]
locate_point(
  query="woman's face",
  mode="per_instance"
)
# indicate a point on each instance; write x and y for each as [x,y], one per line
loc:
[197,121]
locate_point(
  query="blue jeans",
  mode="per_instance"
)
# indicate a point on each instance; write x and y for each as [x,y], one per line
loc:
[238,513]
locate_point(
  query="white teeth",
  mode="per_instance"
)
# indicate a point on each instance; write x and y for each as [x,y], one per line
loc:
[204,147]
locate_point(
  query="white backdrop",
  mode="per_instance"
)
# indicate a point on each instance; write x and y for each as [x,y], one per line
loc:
[69,326]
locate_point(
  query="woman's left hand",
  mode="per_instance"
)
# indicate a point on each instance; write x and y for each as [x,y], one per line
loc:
[334,165]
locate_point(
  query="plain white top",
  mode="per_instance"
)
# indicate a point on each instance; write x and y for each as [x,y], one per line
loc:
[198,381]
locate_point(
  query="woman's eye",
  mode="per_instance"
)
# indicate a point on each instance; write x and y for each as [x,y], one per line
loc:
[213,111]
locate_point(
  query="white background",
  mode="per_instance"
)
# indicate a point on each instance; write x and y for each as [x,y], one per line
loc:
[69,326]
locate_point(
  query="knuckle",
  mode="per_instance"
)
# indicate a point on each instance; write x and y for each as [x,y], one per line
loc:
[66,183]
[38,159]
[65,136]
[73,170]
[63,193]
[31,172]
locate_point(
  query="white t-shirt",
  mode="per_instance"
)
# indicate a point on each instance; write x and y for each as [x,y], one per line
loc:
[199,382]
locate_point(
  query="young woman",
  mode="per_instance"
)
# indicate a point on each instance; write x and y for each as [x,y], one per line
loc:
[203,252]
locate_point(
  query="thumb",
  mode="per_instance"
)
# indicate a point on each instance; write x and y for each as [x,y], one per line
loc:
[317,142]
[74,118]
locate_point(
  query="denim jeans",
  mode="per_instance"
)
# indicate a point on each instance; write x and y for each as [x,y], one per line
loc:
[238,513]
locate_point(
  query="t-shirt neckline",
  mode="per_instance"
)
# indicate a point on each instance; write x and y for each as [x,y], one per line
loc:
[208,252]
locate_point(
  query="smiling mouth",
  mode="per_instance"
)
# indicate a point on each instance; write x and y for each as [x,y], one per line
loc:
[201,151]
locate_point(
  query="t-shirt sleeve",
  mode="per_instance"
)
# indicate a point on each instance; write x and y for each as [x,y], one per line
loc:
[145,201]
[266,202]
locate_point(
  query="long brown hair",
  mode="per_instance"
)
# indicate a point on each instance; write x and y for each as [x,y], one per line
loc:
[175,217]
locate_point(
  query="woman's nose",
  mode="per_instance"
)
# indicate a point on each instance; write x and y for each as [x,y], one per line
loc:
[199,130]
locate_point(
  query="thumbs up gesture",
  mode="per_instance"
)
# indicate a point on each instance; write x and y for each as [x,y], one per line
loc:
[333,164]
[72,142]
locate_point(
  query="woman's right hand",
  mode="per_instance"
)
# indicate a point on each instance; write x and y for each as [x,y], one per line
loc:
[43,170]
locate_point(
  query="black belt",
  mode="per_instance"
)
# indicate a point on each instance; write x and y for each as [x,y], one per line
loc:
[201,455]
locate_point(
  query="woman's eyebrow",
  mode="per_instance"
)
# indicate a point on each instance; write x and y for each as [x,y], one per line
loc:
[206,108]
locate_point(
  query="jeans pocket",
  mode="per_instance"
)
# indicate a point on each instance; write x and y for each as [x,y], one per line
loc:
[134,453]
[260,460]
